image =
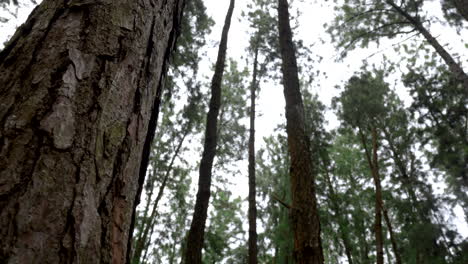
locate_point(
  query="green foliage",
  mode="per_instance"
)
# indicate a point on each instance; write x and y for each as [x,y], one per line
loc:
[276,242]
[225,238]
[170,171]
[231,132]
[452,15]
[362,103]
[359,23]
[347,201]
[442,112]
[367,102]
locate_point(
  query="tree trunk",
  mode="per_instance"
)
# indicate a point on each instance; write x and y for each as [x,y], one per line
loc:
[453,66]
[193,253]
[304,212]
[405,173]
[374,166]
[80,86]
[252,185]
[392,235]
[378,193]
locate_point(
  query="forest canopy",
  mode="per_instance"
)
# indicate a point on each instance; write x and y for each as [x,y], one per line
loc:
[269,131]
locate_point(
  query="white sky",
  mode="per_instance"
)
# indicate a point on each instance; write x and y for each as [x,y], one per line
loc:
[271,100]
[314,15]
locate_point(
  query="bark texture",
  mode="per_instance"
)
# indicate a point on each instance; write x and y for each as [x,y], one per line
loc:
[80,85]
[193,252]
[252,177]
[304,213]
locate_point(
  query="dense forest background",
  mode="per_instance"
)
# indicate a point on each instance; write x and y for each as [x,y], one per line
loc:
[385,95]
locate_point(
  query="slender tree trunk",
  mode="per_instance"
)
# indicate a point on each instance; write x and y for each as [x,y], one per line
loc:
[193,253]
[378,193]
[252,177]
[454,66]
[143,240]
[80,85]
[304,212]
[404,172]
[374,166]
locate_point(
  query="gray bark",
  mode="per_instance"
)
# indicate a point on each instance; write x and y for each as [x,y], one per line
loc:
[80,85]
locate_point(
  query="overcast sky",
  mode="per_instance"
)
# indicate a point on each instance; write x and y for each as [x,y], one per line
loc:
[314,14]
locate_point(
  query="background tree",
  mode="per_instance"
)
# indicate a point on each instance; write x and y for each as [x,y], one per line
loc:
[442,111]
[362,103]
[276,243]
[362,23]
[196,234]
[226,242]
[303,211]
[177,125]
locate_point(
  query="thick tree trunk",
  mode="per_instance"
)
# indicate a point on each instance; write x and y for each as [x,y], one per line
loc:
[304,212]
[252,177]
[193,253]
[80,85]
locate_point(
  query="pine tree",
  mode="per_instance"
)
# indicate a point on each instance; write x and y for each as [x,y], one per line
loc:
[304,213]
[193,254]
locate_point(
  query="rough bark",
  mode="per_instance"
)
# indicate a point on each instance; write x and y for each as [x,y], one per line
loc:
[378,193]
[193,253]
[252,177]
[304,213]
[79,93]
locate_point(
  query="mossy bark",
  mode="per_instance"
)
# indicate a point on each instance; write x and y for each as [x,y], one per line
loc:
[80,85]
